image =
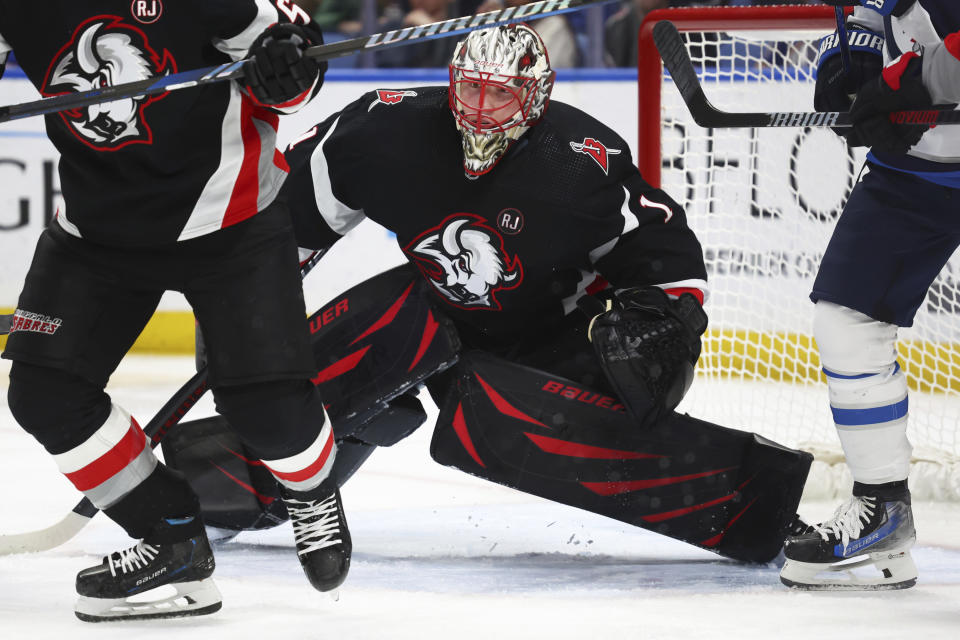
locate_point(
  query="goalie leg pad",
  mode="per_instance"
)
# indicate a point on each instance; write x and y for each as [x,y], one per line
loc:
[237,493]
[728,491]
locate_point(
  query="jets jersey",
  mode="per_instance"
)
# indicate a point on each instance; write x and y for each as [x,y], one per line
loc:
[906,24]
[564,212]
[157,169]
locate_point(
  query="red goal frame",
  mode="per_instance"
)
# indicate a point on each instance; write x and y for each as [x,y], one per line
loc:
[650,67]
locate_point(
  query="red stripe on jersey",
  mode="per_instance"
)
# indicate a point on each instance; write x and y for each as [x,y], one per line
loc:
[283,105]
[280,162]
[246,190]
[112,462]
[599,284]
[310,470]
[952,43]
[679,291]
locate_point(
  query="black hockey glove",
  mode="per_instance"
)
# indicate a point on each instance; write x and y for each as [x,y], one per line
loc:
[836,88]
[898,88]
[648,344]
[277,71]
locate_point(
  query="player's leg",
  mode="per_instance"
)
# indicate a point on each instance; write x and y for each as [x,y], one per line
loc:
[248,300]
[60,368]
[888,246]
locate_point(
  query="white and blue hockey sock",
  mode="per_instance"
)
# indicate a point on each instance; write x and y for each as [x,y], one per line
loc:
[868,392]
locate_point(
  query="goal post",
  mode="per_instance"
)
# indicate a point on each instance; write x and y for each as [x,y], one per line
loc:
[763,203]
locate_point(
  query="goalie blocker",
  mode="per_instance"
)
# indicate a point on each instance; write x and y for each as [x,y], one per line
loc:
[724,490]
[373,345]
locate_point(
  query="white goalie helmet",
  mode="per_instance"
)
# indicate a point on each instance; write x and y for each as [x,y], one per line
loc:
[500,83]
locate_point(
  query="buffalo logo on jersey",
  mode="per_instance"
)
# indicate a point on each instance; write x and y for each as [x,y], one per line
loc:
[596,150]
[465,260]
[385,96]
[102,53]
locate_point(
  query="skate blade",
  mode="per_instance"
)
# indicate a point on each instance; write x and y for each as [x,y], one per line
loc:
[883,570]
[191,599]
[335,595]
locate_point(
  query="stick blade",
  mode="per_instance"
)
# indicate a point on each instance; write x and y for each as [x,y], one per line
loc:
[44,539]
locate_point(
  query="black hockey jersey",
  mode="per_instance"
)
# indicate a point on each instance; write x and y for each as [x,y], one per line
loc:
[156,169]
[507,253]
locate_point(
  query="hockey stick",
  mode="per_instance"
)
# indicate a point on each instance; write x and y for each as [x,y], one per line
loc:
[169,415]
[5,322]
[233,70]
[678,63]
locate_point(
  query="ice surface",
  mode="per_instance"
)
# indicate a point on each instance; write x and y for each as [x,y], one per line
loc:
[440,554]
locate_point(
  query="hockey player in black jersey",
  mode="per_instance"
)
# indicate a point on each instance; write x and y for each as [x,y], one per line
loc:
[895,234]
[172,192]
[510,212]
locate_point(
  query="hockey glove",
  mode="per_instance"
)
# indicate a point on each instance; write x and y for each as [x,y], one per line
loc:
[835,88]
[648,345]
[277,72]
[883,7]
[898,88]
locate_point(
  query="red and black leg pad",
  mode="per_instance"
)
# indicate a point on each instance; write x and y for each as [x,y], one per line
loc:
[725,490]
[373,346]
[377,341]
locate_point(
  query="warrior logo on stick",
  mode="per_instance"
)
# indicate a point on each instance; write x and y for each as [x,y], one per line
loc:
[102,53]
[464,259]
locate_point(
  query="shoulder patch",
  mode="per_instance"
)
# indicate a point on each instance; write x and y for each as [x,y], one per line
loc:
[596,150]
[388,97]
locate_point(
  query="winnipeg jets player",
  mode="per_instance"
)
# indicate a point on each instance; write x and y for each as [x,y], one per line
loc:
[897,231]
[170,192]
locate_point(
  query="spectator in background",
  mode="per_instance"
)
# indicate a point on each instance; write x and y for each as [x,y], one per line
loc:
[620,32]
[432,53]
[555,31]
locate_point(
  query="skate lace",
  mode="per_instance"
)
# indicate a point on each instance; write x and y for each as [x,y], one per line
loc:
[316,525]
[848,520]
[132,559]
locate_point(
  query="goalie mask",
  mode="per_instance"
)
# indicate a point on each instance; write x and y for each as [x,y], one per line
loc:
[500,83]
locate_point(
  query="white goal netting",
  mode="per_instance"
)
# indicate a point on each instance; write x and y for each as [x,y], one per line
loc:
[764,202]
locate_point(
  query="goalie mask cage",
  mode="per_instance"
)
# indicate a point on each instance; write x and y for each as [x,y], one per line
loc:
[763,203]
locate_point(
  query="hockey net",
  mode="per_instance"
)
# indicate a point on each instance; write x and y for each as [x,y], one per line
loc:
[763,203]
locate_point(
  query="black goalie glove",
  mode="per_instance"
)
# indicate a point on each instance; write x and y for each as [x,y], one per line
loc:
[277,71]
[648,344]
[898,88]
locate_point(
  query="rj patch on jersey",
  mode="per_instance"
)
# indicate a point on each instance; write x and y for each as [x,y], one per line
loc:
[596,150]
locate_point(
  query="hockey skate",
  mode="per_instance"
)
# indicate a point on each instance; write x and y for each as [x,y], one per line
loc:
[111,590]
[321,535]
[864,546]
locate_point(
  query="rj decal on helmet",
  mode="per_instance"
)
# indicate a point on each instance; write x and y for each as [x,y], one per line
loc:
[500,83]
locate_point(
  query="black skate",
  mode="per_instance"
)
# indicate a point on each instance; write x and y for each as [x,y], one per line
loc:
[865,545]
[109,590]
[321,534]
